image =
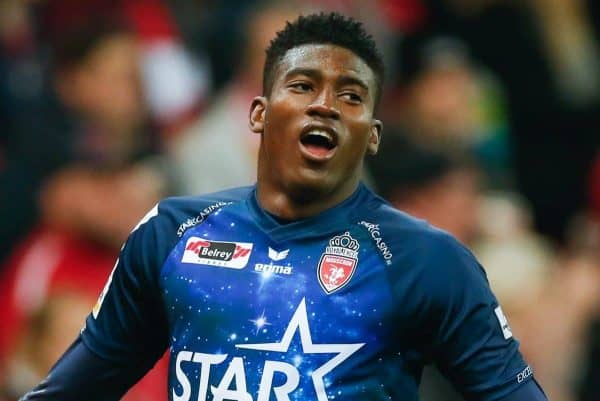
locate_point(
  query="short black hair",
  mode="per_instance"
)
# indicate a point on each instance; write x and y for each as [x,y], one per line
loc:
[324,28]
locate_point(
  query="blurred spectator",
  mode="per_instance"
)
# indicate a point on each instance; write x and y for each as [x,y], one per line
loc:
[49,263]
[594,188]
[591,367]
[114,148]
[33,142]
[219,151]
[175,82]
[584,242]
[428,184]
[549,298]
[49,259]
[215,30]
[112,177]
[546,55]
[439,91]
[96,76]
[444,101]
[49,332]
[514,85]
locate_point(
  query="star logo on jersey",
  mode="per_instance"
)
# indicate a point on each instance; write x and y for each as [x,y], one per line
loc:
[299,322]
[338,262]
[277,256]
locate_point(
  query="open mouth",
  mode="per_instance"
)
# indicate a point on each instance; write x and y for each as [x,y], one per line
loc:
[319,143]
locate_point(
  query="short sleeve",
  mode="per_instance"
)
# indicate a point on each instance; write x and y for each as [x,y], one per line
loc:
[128,321]
[469,336]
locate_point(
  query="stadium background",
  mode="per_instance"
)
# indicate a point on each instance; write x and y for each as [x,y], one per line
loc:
[492,132]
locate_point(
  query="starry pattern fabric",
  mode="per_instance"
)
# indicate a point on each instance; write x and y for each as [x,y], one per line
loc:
[349,304]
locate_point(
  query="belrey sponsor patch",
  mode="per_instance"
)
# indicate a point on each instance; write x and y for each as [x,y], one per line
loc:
[203,251]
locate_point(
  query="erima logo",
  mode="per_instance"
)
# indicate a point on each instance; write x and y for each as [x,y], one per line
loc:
[268,269]
[202,251]
[279,379]
[277,256]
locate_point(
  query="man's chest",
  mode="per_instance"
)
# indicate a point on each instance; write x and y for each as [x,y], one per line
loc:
[226,270]
[292,314]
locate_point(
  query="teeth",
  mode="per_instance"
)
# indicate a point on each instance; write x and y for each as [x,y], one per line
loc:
[321,133]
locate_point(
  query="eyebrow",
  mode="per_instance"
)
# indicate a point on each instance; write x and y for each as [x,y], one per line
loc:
[314,73]
[348,80]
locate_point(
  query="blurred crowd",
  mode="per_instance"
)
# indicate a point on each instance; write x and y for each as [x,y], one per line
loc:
[492,132]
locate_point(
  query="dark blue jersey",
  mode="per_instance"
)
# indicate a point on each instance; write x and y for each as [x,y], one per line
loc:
[349,304]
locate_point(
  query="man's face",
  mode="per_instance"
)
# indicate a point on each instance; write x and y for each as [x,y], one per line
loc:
[317,122]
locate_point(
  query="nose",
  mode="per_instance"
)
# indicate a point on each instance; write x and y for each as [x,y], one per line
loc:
[323,106]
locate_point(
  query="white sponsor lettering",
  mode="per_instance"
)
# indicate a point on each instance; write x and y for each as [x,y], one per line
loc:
[234,372]
[215,253]
[202,251]
[272,269]
[205,360]
[385,251]
[194,221]
[292,379]
[181,377]
[235,375]
[524,374]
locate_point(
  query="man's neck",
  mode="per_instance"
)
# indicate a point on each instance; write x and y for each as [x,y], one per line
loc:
[299,204]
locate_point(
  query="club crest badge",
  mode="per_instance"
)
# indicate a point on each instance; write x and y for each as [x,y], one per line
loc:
[338,262]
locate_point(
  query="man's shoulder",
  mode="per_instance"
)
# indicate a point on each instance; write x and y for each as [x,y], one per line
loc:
[172,217]
[414,242]
[401,225]
[190,204]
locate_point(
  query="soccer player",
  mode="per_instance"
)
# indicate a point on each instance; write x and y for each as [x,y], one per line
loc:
[305,286]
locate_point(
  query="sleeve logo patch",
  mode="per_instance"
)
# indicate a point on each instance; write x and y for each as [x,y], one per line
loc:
[506,331]
[524,374]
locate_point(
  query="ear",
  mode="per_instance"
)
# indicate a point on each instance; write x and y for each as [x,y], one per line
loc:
[374,137]
[257,114]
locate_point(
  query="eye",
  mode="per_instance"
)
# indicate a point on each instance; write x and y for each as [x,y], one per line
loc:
[352,97]
[300,86]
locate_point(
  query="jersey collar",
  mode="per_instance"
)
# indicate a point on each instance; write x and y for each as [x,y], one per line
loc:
[327,222]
